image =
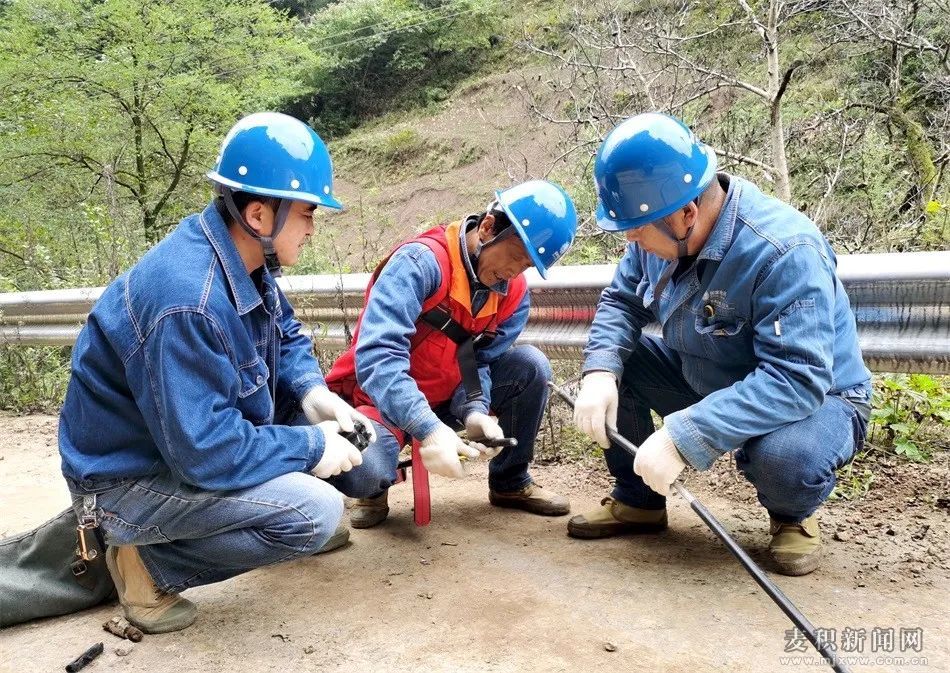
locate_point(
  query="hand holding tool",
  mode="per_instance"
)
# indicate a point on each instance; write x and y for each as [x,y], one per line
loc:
[440,451]
[658,461]
[319,404]
[339,455]
[596,408]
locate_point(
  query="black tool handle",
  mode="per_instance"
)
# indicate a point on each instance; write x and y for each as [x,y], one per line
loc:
[503,442]
[80,662]
[763,580]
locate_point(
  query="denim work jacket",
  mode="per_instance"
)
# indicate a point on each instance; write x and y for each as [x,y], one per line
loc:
[764,341]
[178,369]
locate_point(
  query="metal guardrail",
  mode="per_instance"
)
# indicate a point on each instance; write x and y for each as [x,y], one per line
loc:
[902,304]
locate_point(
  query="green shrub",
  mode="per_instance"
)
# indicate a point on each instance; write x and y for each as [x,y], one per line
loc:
[372,56]
[908,409]
[34,378]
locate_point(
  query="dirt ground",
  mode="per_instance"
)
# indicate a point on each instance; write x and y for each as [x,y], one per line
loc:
[482,589]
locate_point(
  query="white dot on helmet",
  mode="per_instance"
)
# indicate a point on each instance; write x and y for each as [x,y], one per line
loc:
[525,222]
[242,170]
[294,184]
[687,178]
[644,207]
[541,250]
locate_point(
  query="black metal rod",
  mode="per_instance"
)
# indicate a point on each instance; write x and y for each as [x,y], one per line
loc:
[763,580]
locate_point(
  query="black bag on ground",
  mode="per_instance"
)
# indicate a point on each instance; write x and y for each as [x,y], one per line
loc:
[42,574]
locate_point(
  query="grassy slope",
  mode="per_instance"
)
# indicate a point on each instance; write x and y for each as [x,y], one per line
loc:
[411,170]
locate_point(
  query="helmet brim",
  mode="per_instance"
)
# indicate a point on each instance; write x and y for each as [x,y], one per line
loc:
[607,223]
[523,235]
[325,200]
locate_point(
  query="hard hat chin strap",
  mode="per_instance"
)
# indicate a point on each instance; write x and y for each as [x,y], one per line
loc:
[682,251]
[682,247]
[497,238]
[267,242]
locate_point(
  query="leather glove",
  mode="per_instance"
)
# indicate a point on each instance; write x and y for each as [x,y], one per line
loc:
[479,426]
[319,404]
[595,409]
[338,454]
[440,451]
[658,462]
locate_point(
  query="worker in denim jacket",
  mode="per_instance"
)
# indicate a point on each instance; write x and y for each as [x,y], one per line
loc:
[758,352]
[197,427]
[434,347]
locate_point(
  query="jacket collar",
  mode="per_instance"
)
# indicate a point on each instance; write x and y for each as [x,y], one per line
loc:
[246,296]
[720,237]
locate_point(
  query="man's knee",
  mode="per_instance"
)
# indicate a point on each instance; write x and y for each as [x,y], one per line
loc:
[786,467]
[312,511]
[531,365]
[366,481]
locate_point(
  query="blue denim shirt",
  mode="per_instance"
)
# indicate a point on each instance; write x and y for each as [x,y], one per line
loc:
[411,276]
[764,342]
[178,369]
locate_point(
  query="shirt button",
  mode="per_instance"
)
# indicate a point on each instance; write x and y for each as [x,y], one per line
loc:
[260,379]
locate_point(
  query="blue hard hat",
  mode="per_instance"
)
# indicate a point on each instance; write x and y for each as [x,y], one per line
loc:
[545,218]
[647,167]
[273,154]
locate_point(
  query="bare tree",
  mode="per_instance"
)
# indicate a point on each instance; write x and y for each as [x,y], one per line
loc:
[910,88]
[621,62]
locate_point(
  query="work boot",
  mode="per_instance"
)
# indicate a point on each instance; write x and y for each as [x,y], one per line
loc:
[339,538]
[613,518]
[367,512]
[532,498]
[145,605]
[795,547]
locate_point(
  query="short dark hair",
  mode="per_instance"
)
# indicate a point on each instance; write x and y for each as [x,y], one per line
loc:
[241,200]
[502,221]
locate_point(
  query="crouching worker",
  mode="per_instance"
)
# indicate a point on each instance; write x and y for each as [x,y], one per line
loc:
[759,352]
[434,345]
[184,434]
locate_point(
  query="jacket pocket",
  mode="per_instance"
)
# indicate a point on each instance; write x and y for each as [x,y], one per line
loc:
[797,328]
[118,531]
[253,376]
[724,339]
[254,400]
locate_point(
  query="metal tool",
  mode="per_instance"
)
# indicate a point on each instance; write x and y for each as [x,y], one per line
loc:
[503,442]
[87,547]
[85,658]
[770,588]
[359,437]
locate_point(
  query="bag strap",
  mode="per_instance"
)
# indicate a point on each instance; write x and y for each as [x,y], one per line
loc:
[441,321]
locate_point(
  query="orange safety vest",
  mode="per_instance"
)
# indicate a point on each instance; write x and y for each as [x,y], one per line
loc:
[433,364]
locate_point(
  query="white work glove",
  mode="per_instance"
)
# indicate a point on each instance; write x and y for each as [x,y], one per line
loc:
[482,426]
[319,404]
[658,462]
[338,454]
[595,409]
[440,451]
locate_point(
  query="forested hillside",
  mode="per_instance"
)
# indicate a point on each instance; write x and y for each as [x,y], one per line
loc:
[112,111]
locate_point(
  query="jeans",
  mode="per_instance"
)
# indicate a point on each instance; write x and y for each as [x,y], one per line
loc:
[792,468]
[519,395]
[188,536]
